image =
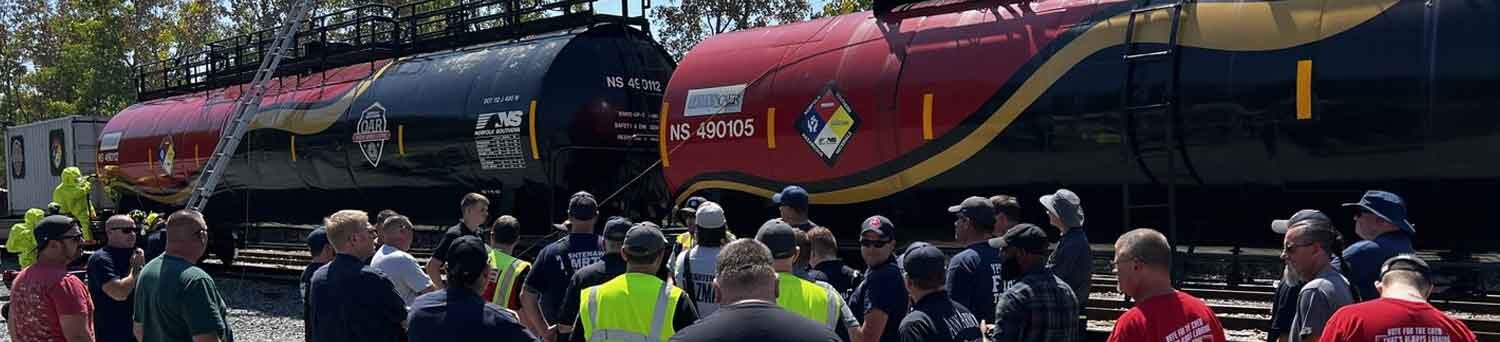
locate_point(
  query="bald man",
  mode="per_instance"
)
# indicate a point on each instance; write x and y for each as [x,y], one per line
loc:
[1143,261]
[113,271]
[174,300]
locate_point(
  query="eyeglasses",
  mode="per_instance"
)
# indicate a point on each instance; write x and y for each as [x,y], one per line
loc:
[1294,247]
[874,243]
[1115,264]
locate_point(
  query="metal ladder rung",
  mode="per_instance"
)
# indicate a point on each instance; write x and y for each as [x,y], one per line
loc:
[1153,54]
[1153,106]
[1148,206]
[1155,8]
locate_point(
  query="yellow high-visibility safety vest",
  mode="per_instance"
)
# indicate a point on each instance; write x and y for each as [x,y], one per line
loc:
[633,307]
[509,268]
[808,299]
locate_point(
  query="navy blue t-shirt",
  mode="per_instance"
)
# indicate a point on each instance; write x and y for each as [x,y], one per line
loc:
[974,279]
[353,302]
[307,275]
[112,319]
[554,269]
[835,273]
[460,315]
[1366,257]
[936,318]
[883,289]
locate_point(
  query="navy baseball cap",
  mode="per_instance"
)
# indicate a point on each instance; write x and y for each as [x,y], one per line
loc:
[317,240]
[792,196]
[691,205]
[924,261]
[616,227]
[582,206]
[881,226]
[1387,206]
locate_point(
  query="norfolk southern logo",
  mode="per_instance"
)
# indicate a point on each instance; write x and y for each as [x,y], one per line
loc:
[371,133]
[828,124]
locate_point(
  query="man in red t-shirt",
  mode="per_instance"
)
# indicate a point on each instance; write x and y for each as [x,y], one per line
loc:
[1402,312]
[47,303]
[1143,261]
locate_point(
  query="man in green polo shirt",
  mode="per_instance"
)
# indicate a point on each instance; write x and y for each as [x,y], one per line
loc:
[174,300]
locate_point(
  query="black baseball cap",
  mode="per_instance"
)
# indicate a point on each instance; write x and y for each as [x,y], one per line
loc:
[779,237]
[1025,237]
[881,226]
[582,206]
[977,209]
[924,262]
[1281,226]
[317,240]
[1406,262]
[644,240]
[54,228]
[467,255]
[616,228]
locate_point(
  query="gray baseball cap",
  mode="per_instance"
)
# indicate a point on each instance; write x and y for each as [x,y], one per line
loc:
[644,240]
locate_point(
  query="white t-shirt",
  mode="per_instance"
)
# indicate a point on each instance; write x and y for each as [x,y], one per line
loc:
[402,269]
[702,289]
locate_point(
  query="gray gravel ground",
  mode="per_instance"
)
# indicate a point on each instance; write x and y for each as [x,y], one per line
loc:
[258,310]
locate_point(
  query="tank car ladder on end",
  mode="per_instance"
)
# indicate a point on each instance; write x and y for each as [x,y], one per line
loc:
[1171,146]
[246,106]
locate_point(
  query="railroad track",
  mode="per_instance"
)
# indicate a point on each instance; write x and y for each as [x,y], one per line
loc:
[1243,307]
[1255,313]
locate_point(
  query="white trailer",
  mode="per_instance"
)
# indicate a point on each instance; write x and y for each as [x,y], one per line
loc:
[36,154]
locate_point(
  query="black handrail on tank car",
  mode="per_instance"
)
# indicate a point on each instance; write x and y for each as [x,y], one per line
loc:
[368,33]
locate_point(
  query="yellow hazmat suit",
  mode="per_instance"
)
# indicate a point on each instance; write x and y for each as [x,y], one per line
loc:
[73,195]
[21,241]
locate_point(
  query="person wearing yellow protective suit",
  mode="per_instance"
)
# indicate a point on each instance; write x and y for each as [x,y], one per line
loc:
[21,242]
[73,195]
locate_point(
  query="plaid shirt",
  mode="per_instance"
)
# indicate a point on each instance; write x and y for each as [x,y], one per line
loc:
[1038,308]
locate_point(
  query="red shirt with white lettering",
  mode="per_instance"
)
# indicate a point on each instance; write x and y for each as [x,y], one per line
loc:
[41,296]
[1389,319]
[1176,317]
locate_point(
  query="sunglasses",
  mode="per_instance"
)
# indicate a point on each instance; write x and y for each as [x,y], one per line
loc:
[874,243]
[123,229]
[78,237]
[1294,247]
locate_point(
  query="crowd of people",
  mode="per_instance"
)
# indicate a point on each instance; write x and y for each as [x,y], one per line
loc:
[1013,281]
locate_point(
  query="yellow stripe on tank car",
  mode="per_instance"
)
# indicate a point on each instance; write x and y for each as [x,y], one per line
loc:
[1225,26]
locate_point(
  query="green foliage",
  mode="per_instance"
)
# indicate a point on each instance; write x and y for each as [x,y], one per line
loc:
[683,23]
[842,7]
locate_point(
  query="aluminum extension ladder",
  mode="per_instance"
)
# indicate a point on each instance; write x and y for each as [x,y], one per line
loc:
[246,107]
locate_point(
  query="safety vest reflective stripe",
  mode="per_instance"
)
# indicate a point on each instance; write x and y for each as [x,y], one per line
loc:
[833,310]
[511,268]
[594,331]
